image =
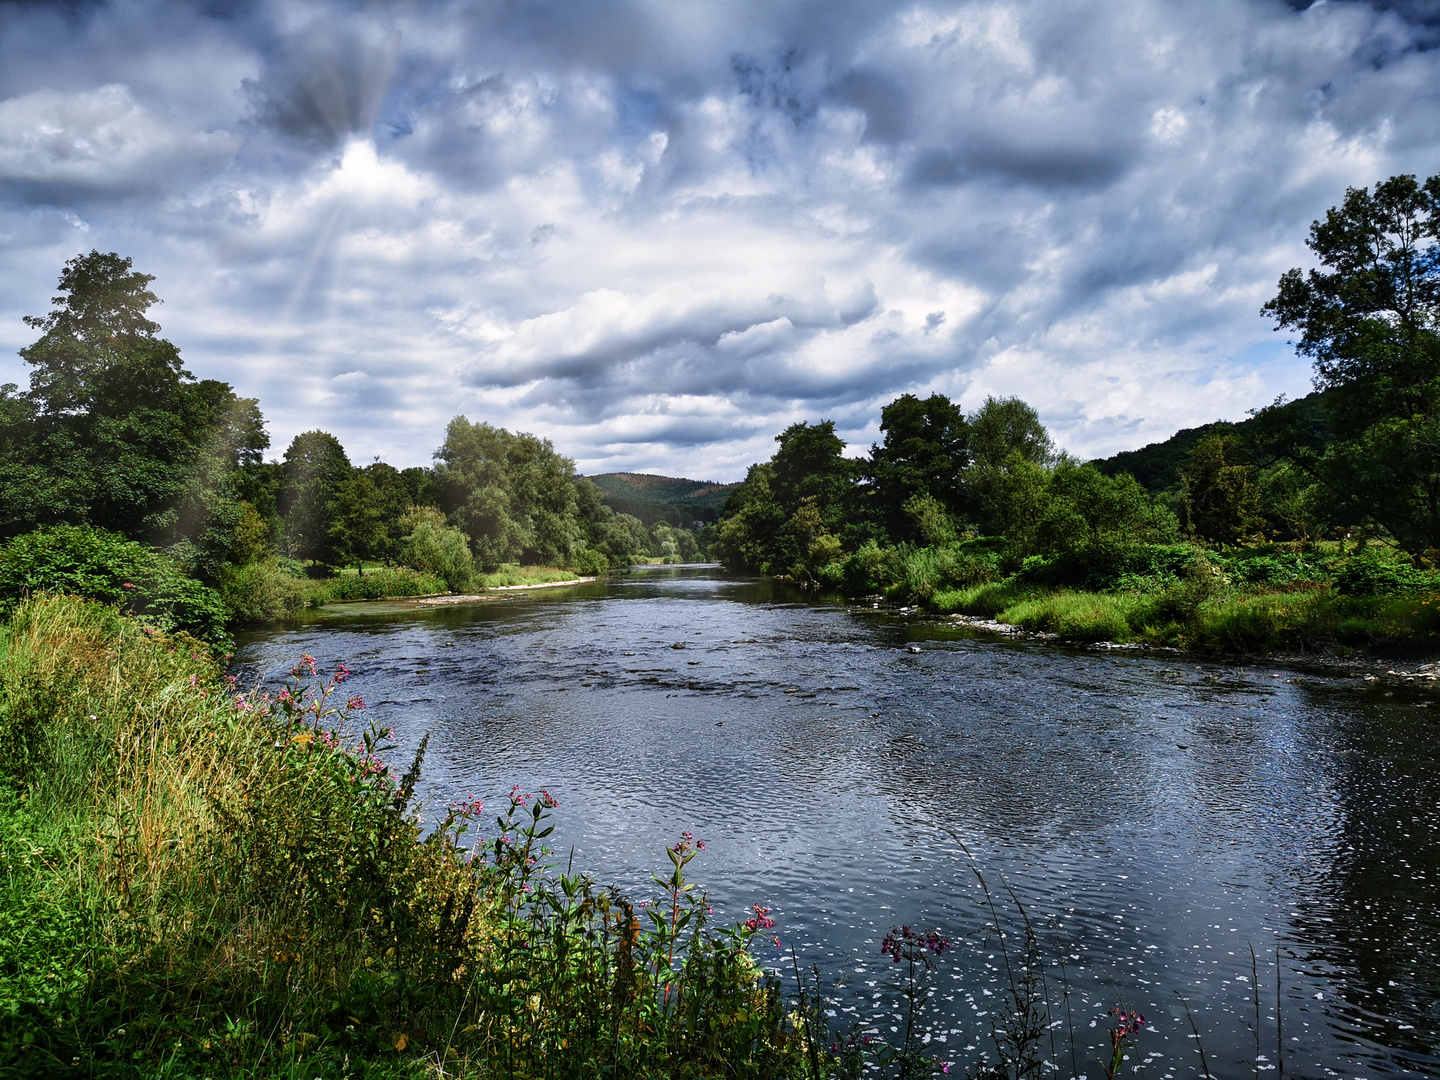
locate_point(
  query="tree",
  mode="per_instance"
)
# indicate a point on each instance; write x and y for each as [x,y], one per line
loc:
[1369,318]
[113,431]
[1218,491]
[924,454]
[432,545]
[512,494]
[1005,426]
[315,470]
[749,521]
[1087,509]
[357,521]
[810,464]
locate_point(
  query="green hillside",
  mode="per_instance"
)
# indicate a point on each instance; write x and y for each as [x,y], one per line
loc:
[663,498]
[1158,465]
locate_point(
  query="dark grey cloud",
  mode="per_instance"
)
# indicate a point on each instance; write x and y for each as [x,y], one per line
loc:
[657,233]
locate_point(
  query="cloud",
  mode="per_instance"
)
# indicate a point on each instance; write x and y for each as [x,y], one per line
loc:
[54,145]
[658,233]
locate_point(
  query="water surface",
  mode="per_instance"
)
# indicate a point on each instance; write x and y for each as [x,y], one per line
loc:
[1157,817]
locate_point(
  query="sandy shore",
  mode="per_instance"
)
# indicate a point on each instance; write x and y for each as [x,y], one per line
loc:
[489,594]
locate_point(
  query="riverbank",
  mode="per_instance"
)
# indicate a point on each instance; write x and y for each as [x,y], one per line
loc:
[201,883]
[1422,676]
[489,594]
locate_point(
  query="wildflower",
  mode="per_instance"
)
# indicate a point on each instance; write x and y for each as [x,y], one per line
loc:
[356,702]
[127,585]
[760,920]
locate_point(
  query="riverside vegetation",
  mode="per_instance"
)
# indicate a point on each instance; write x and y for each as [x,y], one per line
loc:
[118,466]
[201,881]
[1315,525]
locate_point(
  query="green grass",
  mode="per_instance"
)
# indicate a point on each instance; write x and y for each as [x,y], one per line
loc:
[194,884]
[1232,620]
[512,574]
[379,584]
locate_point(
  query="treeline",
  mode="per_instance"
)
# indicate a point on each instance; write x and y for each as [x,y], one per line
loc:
[937,477]
[1315,522]
[124,477]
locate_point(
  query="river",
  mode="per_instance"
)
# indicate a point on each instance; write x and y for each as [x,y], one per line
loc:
[1157,817]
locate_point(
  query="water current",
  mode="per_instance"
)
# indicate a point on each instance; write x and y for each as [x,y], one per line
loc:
[1157,817]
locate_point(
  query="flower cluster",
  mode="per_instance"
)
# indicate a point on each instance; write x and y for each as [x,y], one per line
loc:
[760,920]
[1126,1024]
[909,945]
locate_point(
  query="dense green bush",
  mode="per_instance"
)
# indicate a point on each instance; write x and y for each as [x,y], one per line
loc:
[1377,571]
[434,547]
[1266,566]
[590,563]
[1109,565]
[261,592]
[104,566]
[376,585]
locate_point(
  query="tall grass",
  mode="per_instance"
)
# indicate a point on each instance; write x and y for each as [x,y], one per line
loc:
[1234,620]
[197,883]
[512,574]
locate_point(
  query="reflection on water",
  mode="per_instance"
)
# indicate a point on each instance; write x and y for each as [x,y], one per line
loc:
[1158,818]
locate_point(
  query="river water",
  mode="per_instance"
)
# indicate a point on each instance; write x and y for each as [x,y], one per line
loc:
[1157,817]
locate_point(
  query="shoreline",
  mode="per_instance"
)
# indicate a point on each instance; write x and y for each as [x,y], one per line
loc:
[1425,674]
[488,594]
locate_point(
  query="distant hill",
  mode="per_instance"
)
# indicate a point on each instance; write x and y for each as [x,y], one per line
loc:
[1159,465]
[663,498]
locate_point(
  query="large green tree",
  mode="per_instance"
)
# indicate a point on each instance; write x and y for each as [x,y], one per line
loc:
[316,471]
[1003,427]
[113,430]
[511,493]
[1369,318]
[924,453]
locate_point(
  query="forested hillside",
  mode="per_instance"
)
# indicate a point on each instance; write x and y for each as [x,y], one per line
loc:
[671,499]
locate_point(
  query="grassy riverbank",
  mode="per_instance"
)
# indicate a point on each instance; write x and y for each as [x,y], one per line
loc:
[203,884]
[1252,600]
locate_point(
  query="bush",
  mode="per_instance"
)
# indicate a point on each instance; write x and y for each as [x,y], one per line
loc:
[870,569]
[262,592]
[921,572]
[1270,567]
[377,585]
[1376,571]
[1076,616]
[1109,565]
[100,565]
[590,563]
[433,547]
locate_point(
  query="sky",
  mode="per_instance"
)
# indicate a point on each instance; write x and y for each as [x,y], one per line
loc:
[657,233]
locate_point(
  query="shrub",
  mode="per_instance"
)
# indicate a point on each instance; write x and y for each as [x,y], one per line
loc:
[590,563]
[1076,616]
[261,592]
[870,569]
[1109,565]
[1269,567]
[377,585]
[1377,571]
[104,566]
[433,547]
